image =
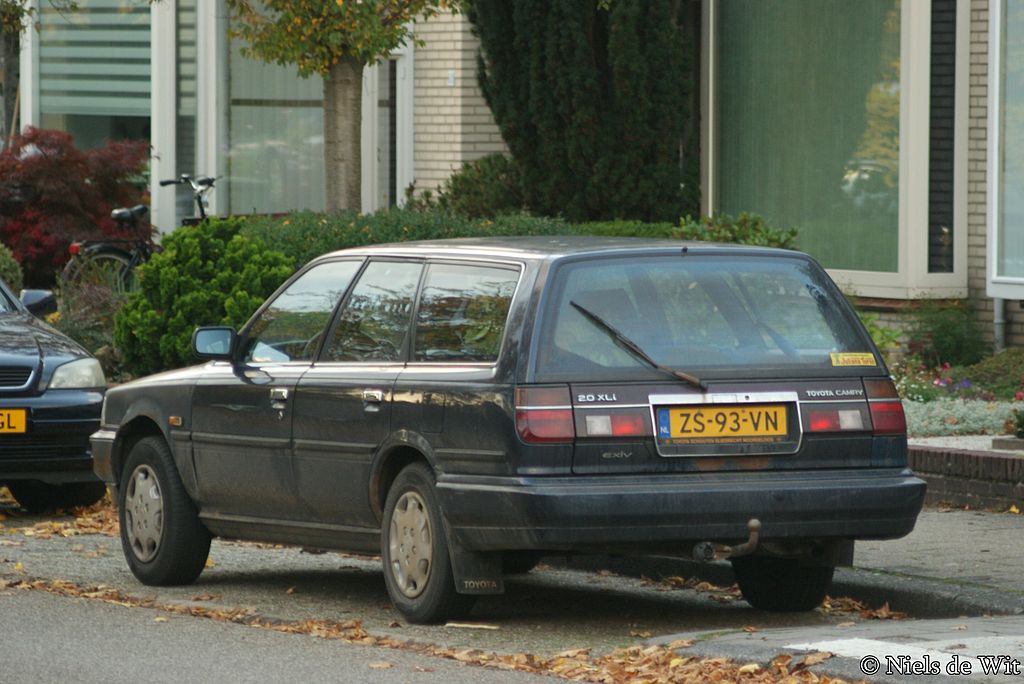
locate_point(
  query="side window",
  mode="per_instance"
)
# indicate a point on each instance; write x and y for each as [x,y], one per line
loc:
[290,329]
[374,322]
[462,312]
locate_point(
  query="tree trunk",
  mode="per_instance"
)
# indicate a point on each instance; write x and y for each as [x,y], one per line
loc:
[343,106]
[8,82]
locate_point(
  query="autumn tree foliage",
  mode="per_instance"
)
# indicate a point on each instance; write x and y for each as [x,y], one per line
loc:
[334,39]
[52,193]
[595,102]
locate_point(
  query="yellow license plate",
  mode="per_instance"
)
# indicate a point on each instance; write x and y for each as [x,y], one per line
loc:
[723,424]
[13,421]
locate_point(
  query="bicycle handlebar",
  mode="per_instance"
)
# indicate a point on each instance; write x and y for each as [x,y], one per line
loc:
[200,183]
[200,186]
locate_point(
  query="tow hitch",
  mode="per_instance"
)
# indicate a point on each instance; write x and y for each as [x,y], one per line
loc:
[706,552]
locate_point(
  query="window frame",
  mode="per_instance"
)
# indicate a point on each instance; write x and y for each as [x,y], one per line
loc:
[912,279]
[1005,287]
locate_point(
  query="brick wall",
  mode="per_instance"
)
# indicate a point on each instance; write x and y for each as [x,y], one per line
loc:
[453,124]
[977,155]
[981,479]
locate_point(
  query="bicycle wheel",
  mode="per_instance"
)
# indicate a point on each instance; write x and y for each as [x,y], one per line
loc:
[101,269]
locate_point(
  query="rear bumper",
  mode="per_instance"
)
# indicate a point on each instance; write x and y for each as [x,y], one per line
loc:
[629,513]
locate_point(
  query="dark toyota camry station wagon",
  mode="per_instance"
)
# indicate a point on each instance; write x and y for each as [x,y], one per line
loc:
[462,407]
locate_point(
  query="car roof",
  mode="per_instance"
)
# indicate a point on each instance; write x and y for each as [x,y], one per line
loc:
[551,247]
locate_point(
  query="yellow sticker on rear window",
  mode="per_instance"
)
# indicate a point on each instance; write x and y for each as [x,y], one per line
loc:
[853,359]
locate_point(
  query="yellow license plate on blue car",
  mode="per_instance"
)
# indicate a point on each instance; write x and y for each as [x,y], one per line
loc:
[13,421]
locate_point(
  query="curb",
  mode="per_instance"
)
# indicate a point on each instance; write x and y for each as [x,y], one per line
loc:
[981,479]
[919,597]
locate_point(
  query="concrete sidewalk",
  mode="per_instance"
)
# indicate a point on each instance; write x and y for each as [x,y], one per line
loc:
[964,566]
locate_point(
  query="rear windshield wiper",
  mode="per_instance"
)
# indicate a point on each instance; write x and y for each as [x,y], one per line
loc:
[634,349]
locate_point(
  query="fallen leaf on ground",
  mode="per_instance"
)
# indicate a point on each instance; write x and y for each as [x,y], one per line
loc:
[814,659]
[207,597]
[380,665]
[291,590]
[640,634]
[470,625]
[750,629]
[680,643]
[161,619]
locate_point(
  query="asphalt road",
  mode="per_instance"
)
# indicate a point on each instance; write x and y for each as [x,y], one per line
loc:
[553,609]
[544,613]
[50,638]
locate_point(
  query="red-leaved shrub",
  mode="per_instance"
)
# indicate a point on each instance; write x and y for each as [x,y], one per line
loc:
[52,193]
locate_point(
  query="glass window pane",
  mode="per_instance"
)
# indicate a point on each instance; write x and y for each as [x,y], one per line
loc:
[291,328]
[94,71]
[462,312]
[374,322]
[1011,143]
[694,314]
[808,104]
[276,137]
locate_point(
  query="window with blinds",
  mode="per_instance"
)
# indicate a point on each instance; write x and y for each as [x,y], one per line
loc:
[95,61]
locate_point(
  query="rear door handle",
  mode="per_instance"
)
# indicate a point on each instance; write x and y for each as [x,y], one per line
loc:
[373,396]
[278,394]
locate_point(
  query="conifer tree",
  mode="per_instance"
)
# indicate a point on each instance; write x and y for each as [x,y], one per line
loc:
[594,103]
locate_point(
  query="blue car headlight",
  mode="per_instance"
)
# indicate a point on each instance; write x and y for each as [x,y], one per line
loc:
[80,374]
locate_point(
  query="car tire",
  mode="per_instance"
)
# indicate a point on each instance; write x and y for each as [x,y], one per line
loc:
[39,497]
[519,562]
[785,585]
[161,536]
[414,548]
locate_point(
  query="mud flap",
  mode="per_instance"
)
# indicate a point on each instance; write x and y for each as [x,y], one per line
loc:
[475,572]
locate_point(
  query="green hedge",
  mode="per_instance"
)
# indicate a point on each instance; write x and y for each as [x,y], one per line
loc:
[304,235]
[205,275]
[10,270]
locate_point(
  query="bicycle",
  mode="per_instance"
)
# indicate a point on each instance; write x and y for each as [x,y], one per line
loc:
[112,262]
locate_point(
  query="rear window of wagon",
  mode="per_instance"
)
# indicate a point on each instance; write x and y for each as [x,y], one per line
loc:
[751,314]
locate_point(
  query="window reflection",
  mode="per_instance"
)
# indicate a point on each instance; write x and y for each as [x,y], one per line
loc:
[292,326]
[462,312]
[374,322]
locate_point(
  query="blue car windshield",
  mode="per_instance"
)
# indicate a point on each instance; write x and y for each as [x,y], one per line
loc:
[694,313]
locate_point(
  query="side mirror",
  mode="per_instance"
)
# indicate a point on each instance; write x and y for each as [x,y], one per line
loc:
[217,343]
[39,302]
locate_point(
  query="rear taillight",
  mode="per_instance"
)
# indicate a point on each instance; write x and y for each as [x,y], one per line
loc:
[544,414]
[615,425]
[834,420]
[887,415]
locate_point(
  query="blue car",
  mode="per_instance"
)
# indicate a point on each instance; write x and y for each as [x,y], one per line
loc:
[51,394]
